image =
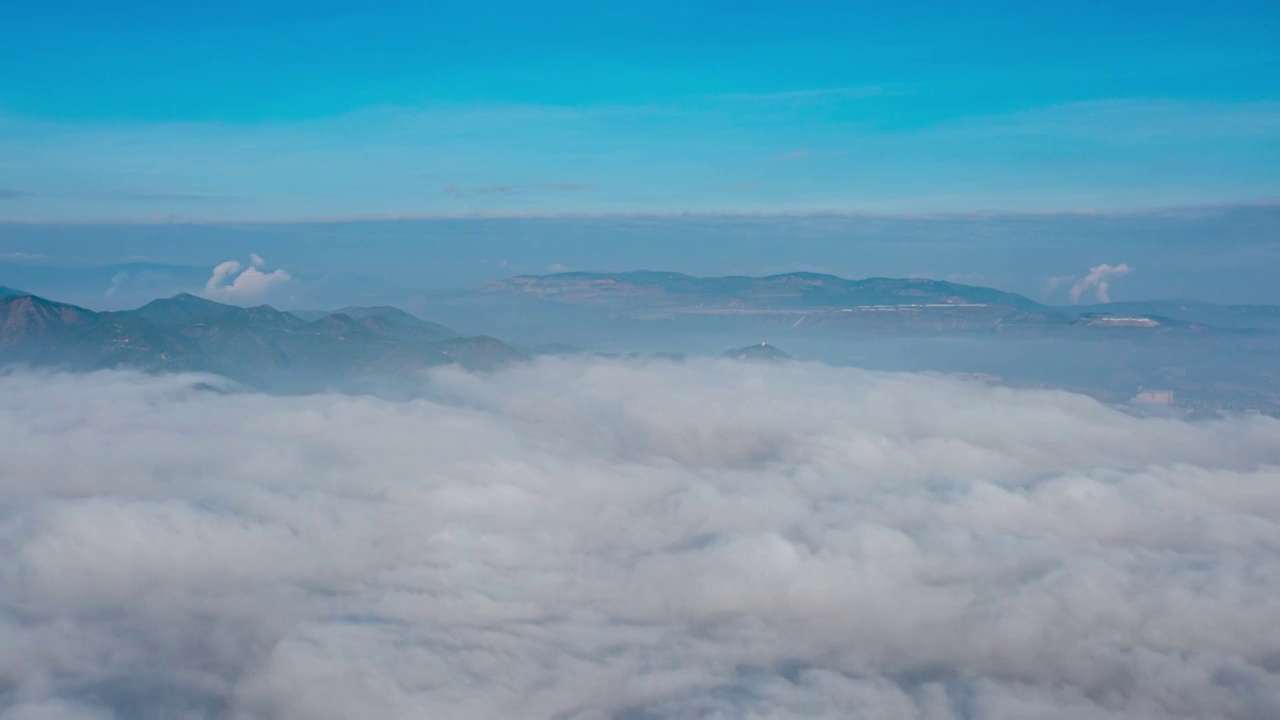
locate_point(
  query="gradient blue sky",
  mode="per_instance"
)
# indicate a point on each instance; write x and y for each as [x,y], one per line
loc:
[275,110]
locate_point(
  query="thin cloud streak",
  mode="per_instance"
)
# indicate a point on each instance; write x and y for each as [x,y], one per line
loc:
[1188,210]
[186,197]
[460,192]
[661,158]
[841,93]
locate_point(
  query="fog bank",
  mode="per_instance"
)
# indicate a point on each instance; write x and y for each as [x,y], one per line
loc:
[632,540]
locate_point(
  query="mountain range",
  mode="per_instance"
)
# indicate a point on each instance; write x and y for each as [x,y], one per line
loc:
[304,350]
[874,304]
[256,345]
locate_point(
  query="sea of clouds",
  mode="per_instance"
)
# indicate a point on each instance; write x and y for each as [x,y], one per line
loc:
[630,540]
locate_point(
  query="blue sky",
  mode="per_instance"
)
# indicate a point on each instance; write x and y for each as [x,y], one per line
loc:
[144,111]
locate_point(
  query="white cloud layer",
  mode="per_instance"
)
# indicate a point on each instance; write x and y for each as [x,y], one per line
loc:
[235,282]
[612,540]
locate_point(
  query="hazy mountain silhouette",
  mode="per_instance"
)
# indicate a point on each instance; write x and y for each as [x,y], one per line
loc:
[257,345]
[763,352]
[885,305]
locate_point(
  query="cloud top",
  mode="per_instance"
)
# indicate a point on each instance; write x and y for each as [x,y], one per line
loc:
[1099,280]
[631,540]
[235,282]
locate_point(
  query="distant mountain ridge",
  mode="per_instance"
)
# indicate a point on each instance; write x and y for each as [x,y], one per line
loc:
[797,290]
[874,304]
[257,345]
[264,346]
[1191,311]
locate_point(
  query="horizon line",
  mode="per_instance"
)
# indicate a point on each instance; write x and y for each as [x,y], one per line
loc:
[654,214]
[20,293]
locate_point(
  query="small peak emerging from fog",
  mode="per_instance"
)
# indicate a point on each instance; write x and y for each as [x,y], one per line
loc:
[761,352]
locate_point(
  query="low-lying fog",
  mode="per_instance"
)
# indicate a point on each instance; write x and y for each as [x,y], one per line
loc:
[597,538]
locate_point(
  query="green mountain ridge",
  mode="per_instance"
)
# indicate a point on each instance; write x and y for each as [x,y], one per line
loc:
[257,345]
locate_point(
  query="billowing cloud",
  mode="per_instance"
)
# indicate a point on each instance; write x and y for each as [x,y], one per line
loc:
[1099,279]
[236,282]
[631,540]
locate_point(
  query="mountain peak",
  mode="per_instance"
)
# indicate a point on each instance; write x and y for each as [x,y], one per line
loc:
[186,298]
[185,308]
[763,352]
[31,316]
[387,320]
[336,323]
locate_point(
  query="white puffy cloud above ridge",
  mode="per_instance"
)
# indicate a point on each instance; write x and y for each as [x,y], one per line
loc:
[1099,280]
[578,539]
[234,281]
